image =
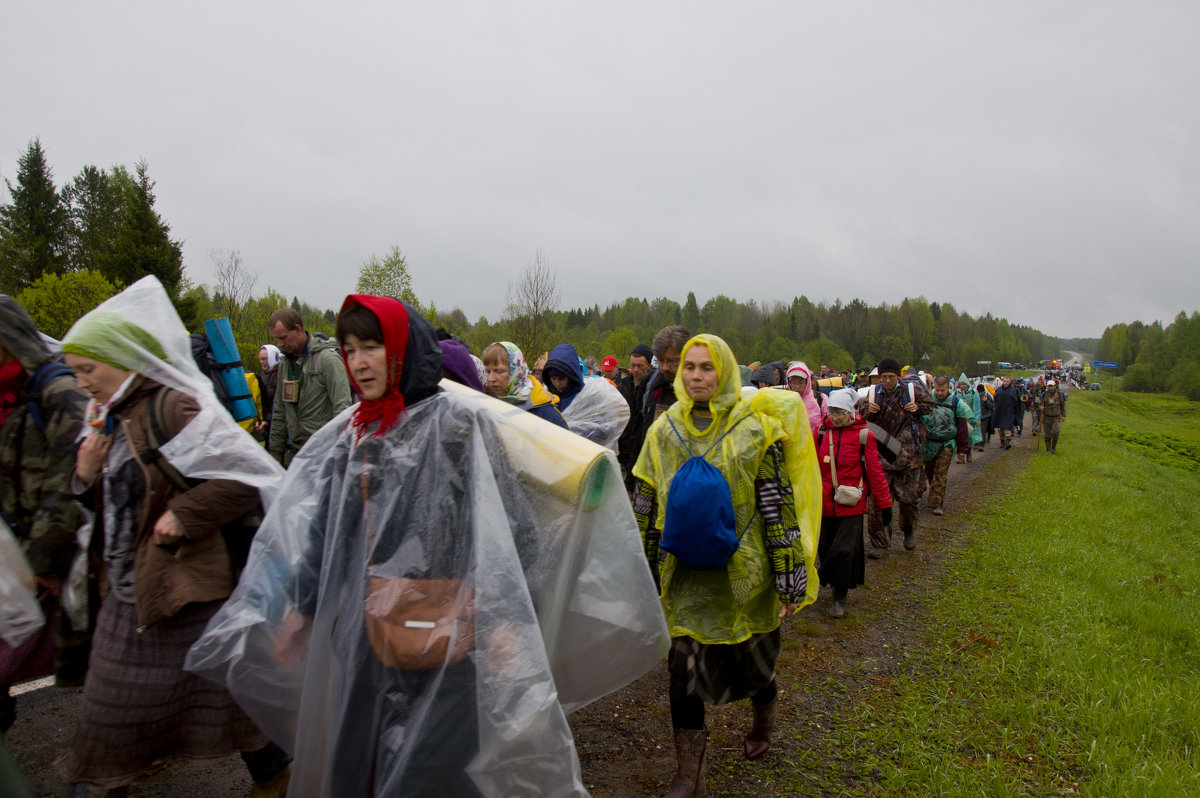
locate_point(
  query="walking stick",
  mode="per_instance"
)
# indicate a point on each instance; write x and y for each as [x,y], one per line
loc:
[1037,445]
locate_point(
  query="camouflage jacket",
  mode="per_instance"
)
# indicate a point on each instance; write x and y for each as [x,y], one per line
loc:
[35,464]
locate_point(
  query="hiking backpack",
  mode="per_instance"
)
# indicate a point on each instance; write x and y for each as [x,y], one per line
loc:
[941,423]
[33,395]
[700,529]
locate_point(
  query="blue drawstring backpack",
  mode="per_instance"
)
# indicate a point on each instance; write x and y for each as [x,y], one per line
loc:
[700,529]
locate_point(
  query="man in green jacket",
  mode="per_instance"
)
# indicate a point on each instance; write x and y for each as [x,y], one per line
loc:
[312,384]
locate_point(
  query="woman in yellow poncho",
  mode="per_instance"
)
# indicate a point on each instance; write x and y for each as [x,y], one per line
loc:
[724,622]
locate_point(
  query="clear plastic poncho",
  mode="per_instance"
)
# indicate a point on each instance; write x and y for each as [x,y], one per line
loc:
[141,329]
[532,526]
[599,412]
[20,614]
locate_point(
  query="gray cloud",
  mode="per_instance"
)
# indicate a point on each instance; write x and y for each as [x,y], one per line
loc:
[1029,160]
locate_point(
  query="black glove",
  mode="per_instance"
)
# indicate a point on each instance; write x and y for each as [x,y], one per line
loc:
[887,516]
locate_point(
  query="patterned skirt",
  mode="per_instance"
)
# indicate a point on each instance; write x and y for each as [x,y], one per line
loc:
[139,705]
[720,674]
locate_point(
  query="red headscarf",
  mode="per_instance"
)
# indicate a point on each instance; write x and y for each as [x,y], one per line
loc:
[12,381]
[393,320]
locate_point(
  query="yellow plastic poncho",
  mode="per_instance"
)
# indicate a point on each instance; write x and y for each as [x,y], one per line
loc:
[729,605]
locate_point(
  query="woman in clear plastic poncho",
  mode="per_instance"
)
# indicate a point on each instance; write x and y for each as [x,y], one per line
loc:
[336,641]
[168,470]
[724,623]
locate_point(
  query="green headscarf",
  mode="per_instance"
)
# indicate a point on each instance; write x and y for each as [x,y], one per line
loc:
[112,339]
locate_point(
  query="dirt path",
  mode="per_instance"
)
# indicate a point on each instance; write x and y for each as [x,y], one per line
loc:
[624,740]
[826,666]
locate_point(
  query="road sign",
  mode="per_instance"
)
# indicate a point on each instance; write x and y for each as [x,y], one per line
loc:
[1104,364]
[983,362]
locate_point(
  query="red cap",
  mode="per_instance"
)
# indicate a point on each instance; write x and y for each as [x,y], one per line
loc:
[609,364]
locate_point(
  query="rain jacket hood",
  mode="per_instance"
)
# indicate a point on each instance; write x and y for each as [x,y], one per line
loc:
[19,335]
[564,362]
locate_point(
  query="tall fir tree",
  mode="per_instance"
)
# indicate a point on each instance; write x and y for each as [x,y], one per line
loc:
[142,244]
[93,202]
[33,226]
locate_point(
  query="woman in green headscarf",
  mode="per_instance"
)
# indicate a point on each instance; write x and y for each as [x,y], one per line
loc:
[724,621]
[155,441]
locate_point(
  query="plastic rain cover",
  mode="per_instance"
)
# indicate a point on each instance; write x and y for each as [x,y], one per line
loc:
[598,413]
[20,615]
[529,529]
[211,446]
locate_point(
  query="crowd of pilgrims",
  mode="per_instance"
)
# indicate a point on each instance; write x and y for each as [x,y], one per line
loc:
[461,550]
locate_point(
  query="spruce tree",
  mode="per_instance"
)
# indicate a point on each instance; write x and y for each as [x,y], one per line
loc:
[142,244]
[93,205]
[33,226]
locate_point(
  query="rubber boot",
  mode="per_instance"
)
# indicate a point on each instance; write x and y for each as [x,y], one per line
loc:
[1049,444]
[758,739]
[1054,446]
[910,539]
[691,777]
[836,610]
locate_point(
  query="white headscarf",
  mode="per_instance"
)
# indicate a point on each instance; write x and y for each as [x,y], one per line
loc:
[273,355]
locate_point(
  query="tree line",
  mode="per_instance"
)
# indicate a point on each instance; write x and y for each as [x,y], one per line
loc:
[1154,358]
[64,250]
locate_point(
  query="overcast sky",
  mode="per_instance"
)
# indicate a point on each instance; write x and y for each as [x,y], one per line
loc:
[1040,161]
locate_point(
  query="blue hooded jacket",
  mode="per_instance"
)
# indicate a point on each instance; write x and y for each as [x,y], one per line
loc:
[563,362]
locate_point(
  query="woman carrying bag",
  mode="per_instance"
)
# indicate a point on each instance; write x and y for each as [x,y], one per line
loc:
[850,469]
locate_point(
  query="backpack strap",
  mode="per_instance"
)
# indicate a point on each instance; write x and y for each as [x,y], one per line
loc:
[156,436]
[715,443]
[33,396]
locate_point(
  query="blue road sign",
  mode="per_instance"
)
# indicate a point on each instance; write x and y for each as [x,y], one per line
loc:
[1104,364]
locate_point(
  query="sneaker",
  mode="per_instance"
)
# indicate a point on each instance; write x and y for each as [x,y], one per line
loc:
[910,539]
[837,609]
[938,510]
[875,554]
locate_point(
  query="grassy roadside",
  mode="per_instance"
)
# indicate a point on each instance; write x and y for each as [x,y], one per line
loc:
[1063,652]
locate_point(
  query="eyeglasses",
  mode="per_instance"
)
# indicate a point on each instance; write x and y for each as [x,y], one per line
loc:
[669,361]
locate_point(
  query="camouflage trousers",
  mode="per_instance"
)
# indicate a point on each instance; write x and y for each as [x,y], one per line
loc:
[937,471]
[906,487]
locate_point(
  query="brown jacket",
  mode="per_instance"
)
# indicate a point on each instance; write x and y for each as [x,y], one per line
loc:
[199,569]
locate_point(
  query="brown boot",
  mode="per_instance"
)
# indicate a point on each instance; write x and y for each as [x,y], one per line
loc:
[691,775]
[758,741]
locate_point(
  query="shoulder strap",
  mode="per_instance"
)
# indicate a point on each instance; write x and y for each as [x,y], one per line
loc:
[680,437]
[33,396]
[156,436]
[723,434]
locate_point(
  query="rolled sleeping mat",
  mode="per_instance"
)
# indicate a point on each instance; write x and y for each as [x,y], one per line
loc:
[225,352]
[829,384]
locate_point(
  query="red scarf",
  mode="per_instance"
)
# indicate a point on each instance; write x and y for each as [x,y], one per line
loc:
[393,320]
[12,383]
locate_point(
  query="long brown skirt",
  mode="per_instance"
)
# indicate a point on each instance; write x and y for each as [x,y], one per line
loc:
[139,705]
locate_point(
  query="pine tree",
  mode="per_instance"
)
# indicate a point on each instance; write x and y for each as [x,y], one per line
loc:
[33,226]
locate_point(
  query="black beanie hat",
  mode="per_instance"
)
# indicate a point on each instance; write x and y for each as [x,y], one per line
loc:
[889,366]
[641,350]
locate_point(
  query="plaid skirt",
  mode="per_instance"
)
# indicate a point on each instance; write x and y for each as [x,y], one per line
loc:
[139,705]
[718,673]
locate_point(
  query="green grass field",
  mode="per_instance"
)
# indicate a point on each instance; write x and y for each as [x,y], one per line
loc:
[1062,656]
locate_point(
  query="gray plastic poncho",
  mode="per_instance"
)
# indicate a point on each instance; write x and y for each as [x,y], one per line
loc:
[532,525]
